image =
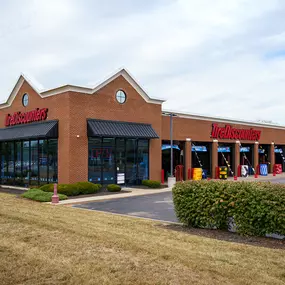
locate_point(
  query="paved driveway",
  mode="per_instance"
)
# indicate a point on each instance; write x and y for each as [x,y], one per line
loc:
[154,206]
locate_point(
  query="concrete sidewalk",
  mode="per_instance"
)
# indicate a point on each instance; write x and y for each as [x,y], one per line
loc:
[141,192]
[132,193]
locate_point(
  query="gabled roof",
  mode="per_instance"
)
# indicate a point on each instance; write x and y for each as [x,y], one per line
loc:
[79,89]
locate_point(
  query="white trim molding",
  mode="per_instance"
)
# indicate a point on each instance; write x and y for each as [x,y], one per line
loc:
[223,120]
[80,89]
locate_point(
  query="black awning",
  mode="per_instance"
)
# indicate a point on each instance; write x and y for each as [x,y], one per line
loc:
[47,129]
[102,128]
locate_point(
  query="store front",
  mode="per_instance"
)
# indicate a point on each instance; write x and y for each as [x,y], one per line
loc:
[118,152]
[28,154]
[116,133]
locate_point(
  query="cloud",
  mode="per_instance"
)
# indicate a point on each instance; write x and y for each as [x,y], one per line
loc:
[222,58]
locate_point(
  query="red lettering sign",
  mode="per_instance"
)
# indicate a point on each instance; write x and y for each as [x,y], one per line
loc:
[230,133]
[19,118]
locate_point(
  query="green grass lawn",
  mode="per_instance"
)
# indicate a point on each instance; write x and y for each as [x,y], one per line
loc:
[46,244]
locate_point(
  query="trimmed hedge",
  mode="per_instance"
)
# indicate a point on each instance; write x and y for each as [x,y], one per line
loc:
[258,208]
[66,189]
[88,187]
[151,183]
[41,196]
[114,188]
[79,188]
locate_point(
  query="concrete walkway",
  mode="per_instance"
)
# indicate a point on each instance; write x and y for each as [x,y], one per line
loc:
[132,193]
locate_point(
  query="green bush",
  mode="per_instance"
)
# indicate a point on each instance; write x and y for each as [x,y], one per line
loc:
[151,183]
[258,208]
[47,188]
[66,189]
[41,196]
[88,187]
[114,188]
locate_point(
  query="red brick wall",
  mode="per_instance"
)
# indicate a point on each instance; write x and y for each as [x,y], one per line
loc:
[200,130]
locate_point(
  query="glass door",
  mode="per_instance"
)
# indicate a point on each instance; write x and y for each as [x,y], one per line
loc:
[131,165]
[108,155]
[120,160]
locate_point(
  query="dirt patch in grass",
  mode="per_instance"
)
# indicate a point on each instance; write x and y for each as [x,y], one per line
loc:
[46,244]
[228,236]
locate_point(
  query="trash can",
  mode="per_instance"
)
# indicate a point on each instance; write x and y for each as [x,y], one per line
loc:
[197,174]
[263,169]
[223,172]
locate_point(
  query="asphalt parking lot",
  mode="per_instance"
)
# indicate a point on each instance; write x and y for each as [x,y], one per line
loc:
[154,206]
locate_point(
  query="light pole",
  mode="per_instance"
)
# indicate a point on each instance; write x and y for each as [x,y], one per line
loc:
[171,145]
[171,179]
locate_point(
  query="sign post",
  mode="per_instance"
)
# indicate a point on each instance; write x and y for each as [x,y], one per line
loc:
[54,198]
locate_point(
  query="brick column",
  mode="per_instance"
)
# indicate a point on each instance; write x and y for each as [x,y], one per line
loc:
[272,157]
[237,158]
[214,157]
[187,157]
[255,156]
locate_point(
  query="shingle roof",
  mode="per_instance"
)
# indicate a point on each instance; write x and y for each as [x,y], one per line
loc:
[103,128]
[47,129]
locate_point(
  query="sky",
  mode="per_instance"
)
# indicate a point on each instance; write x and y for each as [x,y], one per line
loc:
[218,58]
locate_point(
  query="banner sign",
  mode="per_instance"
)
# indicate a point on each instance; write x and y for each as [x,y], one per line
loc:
[230,133]
[199,148]
[224,149]
[245,149]
[278,150]
[168,146]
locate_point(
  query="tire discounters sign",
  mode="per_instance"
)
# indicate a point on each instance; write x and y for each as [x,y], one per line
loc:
[19,118]
[230,133]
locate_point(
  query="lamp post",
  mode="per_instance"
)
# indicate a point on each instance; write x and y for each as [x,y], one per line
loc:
[171,145]
[171,179]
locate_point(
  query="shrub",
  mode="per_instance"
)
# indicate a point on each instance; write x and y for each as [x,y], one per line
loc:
[114,188]
[47,188]
[41,196]
[66,189]
[88,187]
[151,183]
[257,208]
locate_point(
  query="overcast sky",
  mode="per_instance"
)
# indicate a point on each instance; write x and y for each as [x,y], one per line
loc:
[221,58]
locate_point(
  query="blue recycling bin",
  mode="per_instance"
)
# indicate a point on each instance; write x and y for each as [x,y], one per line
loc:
[263,169]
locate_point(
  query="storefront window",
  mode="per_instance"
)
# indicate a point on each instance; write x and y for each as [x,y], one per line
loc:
[43,161]
[34,163]
[95,160]
[120,160]
[24,163]
[131,166]
[4,165]
[52,161]
[108,160]
[143,153]
[18,164]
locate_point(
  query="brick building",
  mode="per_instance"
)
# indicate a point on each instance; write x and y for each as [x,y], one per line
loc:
[116,133]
